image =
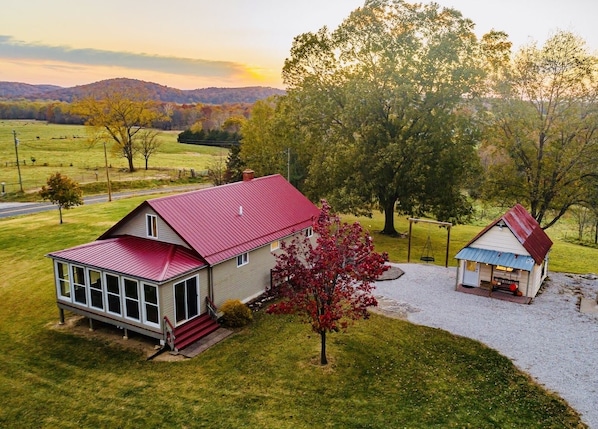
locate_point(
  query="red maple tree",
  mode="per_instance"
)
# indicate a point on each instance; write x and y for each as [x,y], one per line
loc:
[329,283]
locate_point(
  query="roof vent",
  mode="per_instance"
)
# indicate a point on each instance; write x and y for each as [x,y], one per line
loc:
[240,210]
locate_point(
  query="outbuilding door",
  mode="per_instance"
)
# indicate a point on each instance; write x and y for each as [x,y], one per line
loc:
[471,274]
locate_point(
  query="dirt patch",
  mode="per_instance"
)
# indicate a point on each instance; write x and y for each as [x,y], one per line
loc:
[140,344]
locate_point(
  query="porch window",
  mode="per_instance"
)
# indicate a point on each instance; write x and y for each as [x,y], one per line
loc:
[63,280]
[113,294]
[131,288]
[242,259]
[150,299]
[79,285]
[152,226]
[186,297]
[96,297]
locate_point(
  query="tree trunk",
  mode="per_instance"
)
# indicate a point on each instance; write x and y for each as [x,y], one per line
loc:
[60,213]
[131,166]
[389,218]
[323,359]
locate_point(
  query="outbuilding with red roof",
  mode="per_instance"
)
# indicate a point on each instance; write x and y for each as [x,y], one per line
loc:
[165,267]
[510,255]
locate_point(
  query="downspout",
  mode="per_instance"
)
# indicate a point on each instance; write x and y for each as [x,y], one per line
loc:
[210,284]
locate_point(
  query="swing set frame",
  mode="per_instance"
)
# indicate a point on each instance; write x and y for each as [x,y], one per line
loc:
[446,225]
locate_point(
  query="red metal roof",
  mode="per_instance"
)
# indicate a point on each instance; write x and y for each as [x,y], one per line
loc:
[222,222]
[527,231]
[137,257]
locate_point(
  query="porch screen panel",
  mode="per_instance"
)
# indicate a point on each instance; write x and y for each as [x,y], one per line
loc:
[113,294]
[79,285]
[150,298]
[131,299]
[95,290]
[63,279]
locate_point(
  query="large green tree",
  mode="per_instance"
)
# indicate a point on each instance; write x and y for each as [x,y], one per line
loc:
[541,147]
[381,104]
[122,117]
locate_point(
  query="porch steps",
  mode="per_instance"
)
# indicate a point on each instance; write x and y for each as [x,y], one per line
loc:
[193,331]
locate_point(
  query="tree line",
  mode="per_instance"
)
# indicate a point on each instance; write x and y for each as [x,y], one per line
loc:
[174,116]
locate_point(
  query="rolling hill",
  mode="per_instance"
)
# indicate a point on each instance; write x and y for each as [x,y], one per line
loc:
[18,90]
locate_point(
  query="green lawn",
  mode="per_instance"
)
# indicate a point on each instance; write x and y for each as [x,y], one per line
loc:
[384,373]
[65,148]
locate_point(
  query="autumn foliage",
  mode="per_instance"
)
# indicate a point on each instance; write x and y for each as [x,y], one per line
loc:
[329,283]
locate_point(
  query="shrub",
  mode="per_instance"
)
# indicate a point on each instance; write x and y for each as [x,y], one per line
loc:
[235,314]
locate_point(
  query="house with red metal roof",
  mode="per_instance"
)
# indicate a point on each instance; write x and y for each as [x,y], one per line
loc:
[510,255]
[164,269]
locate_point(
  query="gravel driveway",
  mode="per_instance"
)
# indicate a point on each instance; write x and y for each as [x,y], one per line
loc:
[549,339]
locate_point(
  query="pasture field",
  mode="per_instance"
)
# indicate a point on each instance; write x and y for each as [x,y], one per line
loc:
[66,148]
[383,372]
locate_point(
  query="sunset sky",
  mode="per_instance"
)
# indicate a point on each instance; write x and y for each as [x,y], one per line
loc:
[190,44]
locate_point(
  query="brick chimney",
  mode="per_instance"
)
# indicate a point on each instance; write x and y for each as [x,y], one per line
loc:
[248,175]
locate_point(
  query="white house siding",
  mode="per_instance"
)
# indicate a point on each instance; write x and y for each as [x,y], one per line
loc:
[137,227]
[246,282]
[500,240]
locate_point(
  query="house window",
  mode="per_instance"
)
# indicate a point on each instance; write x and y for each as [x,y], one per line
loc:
[150,300]
[131,288]
[152,225]
[96,299]
[113,294]
[63,280]
[186,297]
[242,259]
[79,286]
[309,232]
[275,245]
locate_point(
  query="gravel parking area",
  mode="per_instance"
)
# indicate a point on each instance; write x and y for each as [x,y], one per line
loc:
[550,339]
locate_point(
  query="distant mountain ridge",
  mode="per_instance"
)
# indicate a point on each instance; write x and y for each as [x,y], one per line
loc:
[157,92]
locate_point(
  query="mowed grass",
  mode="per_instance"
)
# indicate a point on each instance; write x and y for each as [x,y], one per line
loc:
[66,148]
[384,373]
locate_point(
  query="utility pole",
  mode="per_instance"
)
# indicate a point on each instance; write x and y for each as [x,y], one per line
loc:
[107,174]
[14,133]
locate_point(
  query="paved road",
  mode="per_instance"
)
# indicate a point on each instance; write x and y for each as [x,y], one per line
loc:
[18,209]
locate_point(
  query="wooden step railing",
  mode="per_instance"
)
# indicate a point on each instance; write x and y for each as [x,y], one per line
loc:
[212,309]
[168,332]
